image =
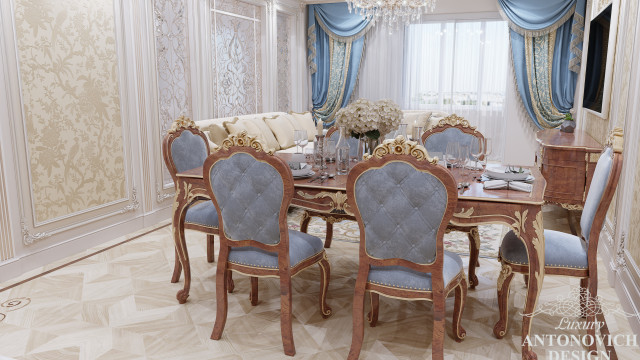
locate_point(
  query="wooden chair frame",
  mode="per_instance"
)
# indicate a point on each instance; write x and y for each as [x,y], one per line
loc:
[455,121]
[588,277]
[179,126]
[249,145]
[439,292]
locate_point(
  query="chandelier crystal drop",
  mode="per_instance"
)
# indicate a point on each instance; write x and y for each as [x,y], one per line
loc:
[392,12]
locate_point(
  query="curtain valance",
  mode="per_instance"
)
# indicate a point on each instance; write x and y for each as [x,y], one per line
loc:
[535,18]
[335,46]
[546,44]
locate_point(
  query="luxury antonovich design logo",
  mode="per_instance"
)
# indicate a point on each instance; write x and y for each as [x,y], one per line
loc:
[574,310]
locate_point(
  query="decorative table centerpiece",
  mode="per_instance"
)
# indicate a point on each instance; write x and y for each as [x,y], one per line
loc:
[369,121]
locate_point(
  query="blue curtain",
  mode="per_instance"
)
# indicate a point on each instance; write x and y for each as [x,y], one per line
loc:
[546,44]
[336,43]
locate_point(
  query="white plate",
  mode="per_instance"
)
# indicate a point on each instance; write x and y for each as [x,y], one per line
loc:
[308,175]
[499,173]
[302,172]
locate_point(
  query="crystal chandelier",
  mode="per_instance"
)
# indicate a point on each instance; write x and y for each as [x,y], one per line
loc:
[392,12]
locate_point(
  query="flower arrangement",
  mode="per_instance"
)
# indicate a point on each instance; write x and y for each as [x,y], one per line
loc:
[371,119]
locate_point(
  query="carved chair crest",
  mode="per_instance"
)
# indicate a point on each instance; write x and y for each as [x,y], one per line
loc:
[244,140]
[182,122]
[456,121]
[401,146]
[616,139]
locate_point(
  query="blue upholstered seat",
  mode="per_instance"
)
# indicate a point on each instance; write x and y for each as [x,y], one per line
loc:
[436,144]
[561,250]
[301,247]
[203,213]
[565,250]
[405,278]
[188,151]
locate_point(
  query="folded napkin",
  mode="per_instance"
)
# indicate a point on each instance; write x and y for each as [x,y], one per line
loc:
[304,170]
[471,164]
[511,185]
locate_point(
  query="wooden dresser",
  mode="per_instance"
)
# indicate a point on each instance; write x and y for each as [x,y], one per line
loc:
[567,162]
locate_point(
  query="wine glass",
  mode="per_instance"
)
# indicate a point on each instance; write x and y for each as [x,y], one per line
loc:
[300,139]
[463,158]
[488,148]
[476,150]
[451,153]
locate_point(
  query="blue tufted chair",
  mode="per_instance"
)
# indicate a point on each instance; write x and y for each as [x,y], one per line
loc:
[185,147]
[332,134]
[403,202]
[567,254]
[435,140]
[252,190]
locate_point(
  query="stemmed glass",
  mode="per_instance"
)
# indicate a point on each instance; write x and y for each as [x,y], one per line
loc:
[488,148]
[300,139]
[463,158]
[476,150]
[451,154]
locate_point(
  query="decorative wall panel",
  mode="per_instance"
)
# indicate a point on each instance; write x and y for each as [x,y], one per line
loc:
[237,65]
[172,66]
[284,62]
[172,55]
[70,91]
[6,243]
[633,238]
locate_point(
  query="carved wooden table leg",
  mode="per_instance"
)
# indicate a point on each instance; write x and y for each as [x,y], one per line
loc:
[304,222]
[533,233]
[474,247]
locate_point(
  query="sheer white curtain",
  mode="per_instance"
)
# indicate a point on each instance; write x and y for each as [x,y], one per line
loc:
[462,68]
[457,67]
[382,68]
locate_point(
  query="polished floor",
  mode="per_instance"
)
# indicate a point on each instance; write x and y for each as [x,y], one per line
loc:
[119,304]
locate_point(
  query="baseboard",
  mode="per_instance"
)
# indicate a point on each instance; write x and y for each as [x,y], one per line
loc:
[621,277]
[21,265]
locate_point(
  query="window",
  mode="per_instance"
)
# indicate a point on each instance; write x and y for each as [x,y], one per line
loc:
[462,68]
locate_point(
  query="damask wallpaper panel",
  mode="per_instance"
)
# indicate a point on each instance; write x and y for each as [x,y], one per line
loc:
[284,62]
[237,7]
[70,91]
[237,66]
[172,66]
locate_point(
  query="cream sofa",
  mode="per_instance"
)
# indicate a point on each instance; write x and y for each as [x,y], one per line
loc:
[275,129]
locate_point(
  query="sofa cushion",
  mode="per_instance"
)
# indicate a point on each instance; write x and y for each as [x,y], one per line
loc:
[283,128]
[245,124]
[267,135]
[212,146]
[307,123]
[215,132]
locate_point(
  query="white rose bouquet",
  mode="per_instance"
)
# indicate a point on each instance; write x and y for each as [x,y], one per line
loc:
[372,119]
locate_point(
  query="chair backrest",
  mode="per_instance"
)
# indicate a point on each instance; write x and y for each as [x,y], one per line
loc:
[403,202]
[251,189]
[451,129]
[334,134]
[603,185]
[184,147]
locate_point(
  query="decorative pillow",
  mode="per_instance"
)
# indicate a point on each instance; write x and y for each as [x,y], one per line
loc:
[212,146]
[268,137]
[306,120]
[238,125]
[282,128]
[215,132]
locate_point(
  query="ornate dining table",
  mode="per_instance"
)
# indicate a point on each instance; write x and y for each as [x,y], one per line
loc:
[521,211]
